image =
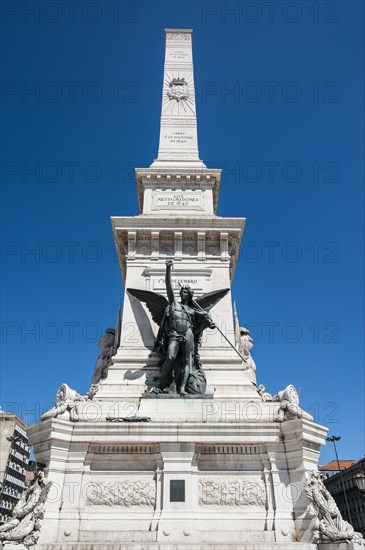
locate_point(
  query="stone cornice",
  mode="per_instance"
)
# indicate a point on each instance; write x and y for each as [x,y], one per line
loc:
[125,432]
[125,226]
[179,179]
[188,223]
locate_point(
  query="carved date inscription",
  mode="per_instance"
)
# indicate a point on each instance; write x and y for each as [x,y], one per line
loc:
[168,200]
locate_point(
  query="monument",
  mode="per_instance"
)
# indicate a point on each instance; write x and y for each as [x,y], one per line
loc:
[175,446]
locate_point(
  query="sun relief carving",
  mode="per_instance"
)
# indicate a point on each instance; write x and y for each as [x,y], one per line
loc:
[178,89]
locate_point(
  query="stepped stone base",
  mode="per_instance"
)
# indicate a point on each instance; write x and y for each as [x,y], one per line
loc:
[180,546]
[194,546]
[241,480]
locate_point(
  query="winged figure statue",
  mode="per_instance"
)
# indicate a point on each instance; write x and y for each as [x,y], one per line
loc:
[179,336]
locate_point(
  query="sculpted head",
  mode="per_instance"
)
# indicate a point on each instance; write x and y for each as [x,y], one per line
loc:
[186,294]
[40,475]
[246,340]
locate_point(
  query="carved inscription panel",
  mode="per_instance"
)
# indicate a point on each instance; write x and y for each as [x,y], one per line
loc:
[178,55]
[178,139]
[183,200]
[196,283]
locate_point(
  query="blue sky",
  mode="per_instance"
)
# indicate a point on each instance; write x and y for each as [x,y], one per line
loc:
[280,108]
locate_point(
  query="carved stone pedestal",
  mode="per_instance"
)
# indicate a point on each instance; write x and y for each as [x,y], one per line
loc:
[172,481]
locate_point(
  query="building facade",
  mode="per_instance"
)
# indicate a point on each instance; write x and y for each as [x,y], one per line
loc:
[333,467]
[14,459]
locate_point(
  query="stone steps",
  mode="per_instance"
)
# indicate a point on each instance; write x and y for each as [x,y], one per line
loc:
[185,546]
[176,546]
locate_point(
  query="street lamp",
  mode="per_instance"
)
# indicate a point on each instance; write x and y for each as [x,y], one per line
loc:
[335,438]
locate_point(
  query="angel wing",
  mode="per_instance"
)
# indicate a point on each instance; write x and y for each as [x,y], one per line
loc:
[156,303]
[207,301]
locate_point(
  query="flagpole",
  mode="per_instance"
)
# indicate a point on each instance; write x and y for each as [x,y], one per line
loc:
[219,330]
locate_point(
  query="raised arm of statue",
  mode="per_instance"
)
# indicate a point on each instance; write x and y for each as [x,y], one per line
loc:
[169,289]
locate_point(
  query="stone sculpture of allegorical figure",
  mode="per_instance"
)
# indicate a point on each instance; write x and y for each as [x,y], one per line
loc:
[181,327]
[245,345]
[108,344]
[23,526]
[329,523]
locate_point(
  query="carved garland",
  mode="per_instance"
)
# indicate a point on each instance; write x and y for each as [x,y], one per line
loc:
[178,37]
[233,493]
[120,493]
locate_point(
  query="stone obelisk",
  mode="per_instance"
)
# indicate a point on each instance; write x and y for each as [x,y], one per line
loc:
[178,199]
[178,131]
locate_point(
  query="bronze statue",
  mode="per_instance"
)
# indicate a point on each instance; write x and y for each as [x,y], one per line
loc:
[108,344]
[179,337]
